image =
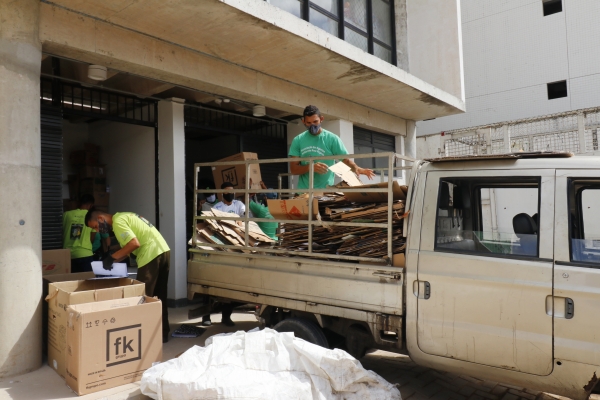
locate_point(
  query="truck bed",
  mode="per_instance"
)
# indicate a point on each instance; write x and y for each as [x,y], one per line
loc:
[353,286]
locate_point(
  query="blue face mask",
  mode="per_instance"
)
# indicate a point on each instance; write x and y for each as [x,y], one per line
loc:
[314,129]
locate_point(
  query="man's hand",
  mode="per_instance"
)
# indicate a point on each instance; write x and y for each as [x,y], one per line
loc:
[365,171]
[321,168]
[107,262]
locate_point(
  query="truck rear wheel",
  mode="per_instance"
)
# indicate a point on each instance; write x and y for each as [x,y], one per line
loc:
[303,329]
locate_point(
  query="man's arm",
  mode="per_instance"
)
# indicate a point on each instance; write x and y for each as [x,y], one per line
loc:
[129,248]
[297,169]
[358,170]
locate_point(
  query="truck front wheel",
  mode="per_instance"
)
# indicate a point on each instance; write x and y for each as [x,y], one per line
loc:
[303,329]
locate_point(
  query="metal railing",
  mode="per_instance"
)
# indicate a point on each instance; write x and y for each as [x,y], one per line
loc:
[311,221]
[575,131]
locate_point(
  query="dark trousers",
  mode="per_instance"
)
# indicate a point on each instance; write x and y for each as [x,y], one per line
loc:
[155,275]
[83,264]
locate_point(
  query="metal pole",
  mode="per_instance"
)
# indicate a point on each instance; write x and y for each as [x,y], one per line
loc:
[391,160]
[311,182]
[247,202]
[194,221]
[581,129]
[506,135]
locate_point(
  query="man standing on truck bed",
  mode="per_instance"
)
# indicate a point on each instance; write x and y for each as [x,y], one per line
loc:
[137,235]
[315,142]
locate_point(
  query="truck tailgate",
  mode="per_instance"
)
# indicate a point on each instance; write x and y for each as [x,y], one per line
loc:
[348,285]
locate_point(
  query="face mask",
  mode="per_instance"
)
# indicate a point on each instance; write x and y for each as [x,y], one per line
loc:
[314,129]
[103,227]
[228,197]
[211,198]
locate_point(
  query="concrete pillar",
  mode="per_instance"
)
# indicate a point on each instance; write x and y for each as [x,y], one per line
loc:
[20,180]
[410,141]
[171,166]
[344,129]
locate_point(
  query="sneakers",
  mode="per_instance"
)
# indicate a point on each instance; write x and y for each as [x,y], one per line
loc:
[228,322]
[206,322]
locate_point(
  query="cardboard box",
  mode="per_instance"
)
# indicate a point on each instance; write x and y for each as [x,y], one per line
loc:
[382,197]
[63,294]
[292,209]
[101,199]
[236,174]
[92,171]
[111,343]
[56,261]
[399,260]
[82,157]
[47,280]
[91,185]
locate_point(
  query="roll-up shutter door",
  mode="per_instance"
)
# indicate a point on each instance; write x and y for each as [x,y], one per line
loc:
[52,154]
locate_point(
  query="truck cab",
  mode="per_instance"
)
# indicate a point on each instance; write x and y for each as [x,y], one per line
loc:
[501,279]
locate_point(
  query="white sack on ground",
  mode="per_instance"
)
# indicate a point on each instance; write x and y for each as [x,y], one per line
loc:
[264,364]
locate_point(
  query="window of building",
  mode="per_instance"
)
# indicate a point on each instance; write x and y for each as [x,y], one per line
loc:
[366,141]
[366,24]
[552,6]
[483,216]
[584,199]
[556,90]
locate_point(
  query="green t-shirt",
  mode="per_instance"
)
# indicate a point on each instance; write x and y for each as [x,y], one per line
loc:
[98,241]
[323,144]
[76,234]
[127,225]
[260,211]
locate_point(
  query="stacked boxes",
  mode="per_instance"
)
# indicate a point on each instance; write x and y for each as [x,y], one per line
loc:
[89,179]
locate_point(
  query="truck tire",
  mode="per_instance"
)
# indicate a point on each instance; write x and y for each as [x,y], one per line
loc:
[357,341]
[303,329]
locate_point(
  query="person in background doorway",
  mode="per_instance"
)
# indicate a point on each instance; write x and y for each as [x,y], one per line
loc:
[78,237]
[100,244]
[315,142]
[260,211]
[209,200]
[229,203]
[139,237]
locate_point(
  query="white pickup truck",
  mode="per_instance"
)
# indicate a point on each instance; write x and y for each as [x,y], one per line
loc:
[501,281]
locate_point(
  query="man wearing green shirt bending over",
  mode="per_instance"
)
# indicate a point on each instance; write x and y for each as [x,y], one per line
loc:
[315,142]
[137,235]
[77,237]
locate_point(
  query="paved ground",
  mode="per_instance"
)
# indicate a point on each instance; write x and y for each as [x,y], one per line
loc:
[415,382]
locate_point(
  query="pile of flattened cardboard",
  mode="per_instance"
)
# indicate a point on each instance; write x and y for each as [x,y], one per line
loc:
[228,232]
[348,240]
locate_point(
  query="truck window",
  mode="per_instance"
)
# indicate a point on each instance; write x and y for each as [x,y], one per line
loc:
[492,216]
[584,207]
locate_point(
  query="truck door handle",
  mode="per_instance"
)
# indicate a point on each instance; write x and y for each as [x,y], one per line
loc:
[569,308]
[560,307]
[422,289]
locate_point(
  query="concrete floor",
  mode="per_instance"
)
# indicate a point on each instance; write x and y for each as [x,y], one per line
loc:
[415,382]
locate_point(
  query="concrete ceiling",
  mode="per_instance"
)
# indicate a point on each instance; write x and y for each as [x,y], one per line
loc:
[227,30]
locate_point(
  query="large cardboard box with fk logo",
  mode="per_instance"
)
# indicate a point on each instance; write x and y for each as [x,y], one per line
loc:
[236,174]
[64,294]
[111,343]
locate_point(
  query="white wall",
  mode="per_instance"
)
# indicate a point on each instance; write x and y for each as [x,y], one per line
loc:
[511,51]
[128,152]
[434,43]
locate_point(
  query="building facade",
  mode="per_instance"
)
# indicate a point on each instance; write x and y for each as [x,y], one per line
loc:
[529,65]
[188,82]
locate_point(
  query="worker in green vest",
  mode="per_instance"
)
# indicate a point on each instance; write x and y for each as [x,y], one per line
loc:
[78,237]
[139,237]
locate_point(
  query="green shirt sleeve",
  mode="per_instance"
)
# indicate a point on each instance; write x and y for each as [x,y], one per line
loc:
[123,232]
[259,211]
[295,148]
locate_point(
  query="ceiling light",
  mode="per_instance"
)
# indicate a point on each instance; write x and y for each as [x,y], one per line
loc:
[225,100]
[259,111]
[97,72]
[218,101]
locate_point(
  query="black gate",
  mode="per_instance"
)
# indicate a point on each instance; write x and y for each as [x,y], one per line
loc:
[52,153]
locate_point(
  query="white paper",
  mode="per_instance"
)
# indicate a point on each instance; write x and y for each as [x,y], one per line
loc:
[345,173]
[119,269]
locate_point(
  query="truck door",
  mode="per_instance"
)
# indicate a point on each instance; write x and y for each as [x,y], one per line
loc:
[485,268]
[577,267]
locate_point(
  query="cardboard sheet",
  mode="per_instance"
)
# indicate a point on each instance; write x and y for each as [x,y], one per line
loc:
[382,197]
[294,209]
[345,174]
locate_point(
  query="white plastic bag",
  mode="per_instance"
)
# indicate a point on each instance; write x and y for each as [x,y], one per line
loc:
[264,364]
